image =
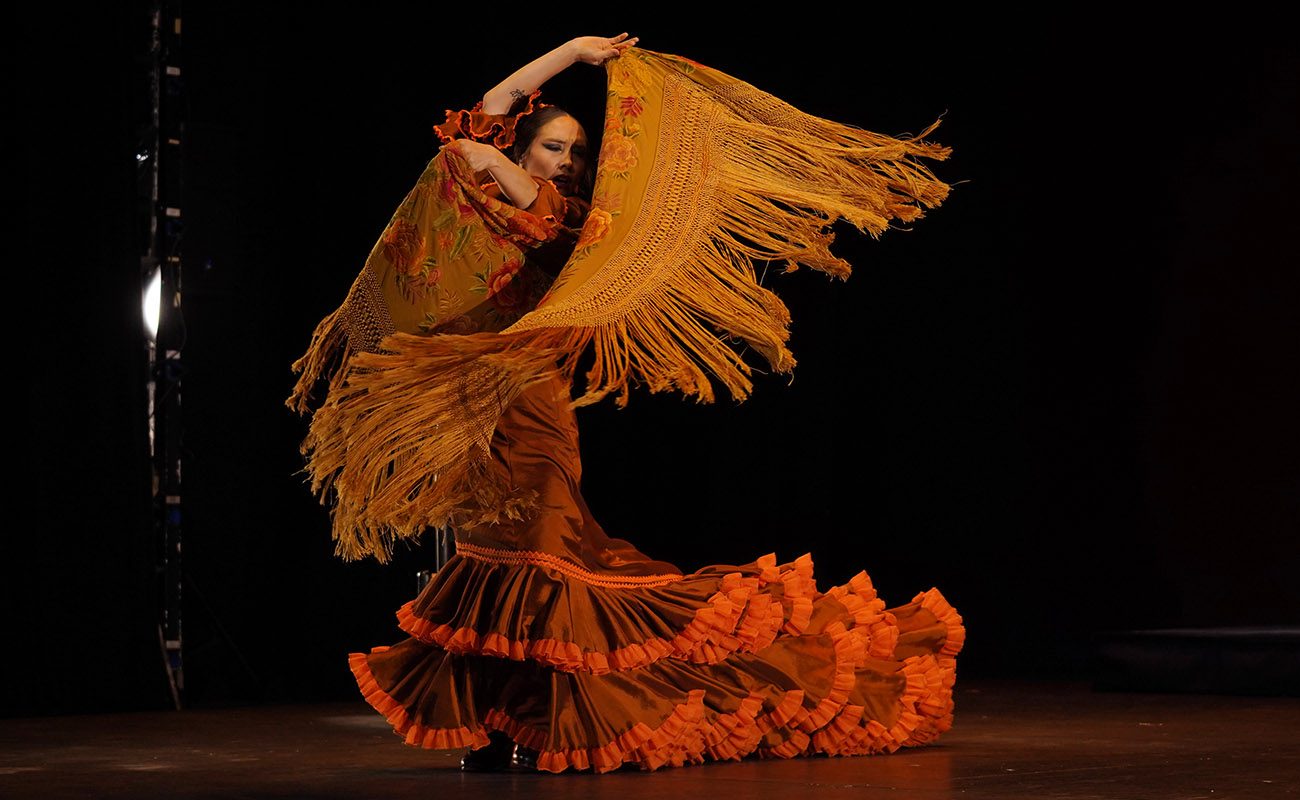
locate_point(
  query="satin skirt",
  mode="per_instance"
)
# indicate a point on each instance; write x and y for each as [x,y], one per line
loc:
[577,645]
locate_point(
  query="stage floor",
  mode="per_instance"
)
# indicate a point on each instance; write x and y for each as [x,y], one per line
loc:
[1009,740]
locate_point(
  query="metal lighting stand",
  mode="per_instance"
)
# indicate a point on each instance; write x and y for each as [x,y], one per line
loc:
[444,545]
[158,174]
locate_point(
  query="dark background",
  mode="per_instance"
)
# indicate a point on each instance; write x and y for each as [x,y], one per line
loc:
[1067,397]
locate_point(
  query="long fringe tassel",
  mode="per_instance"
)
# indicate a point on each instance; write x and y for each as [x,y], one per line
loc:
[325,356]
[771,180]
[668,340]
[403,442]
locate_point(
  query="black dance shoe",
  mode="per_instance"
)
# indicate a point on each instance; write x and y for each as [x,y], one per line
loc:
[493,758]
[524,758]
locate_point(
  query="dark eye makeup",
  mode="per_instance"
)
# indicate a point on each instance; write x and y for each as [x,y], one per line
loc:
[577,150]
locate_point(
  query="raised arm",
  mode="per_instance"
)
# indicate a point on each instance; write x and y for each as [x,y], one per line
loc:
[528,78]
[516,184]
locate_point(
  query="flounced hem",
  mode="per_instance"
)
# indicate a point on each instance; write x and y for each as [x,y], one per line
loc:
[733,736]
[927,702]
[926,706]
[934,602]
[831,726]
[790,711]
[925,711]
[730,737]
[836,727]
[877,628]
[670,741]
[649,747]
[740,616]
[416,733]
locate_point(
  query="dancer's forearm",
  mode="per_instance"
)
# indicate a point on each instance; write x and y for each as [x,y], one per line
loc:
[528,78]
[516,184]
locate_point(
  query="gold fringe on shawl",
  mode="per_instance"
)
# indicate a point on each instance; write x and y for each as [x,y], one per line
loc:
[700,174]
[736,175]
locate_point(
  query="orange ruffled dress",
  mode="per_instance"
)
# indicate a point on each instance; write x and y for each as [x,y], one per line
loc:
[578,645]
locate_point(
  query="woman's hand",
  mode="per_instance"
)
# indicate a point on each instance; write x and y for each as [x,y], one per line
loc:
[480,156]
[599,49]
[517,186]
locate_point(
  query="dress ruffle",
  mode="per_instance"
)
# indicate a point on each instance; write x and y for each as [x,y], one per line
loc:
[495,129]
[529,609]
[721,664]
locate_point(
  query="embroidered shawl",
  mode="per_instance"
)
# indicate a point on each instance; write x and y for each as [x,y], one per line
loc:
[699,176]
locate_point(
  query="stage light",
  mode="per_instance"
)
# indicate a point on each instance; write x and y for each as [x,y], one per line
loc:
[153,303]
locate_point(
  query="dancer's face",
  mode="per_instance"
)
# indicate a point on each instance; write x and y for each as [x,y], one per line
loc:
[558,153]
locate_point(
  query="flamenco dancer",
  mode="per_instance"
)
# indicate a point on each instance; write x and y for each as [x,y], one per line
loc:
[544,643]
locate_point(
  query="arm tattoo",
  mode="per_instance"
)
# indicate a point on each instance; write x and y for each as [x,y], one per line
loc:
[517,95]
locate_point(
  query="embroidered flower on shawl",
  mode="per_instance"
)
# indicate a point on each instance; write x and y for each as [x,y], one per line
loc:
[416,284]
[502,287]
[599,223]
[404,246]
[451,197]
[618,153]
[447,188]
[628,81]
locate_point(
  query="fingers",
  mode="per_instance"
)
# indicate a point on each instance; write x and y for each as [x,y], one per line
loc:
[602,50]
[617,45]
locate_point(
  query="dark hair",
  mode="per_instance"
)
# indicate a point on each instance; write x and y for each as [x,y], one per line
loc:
[526,131]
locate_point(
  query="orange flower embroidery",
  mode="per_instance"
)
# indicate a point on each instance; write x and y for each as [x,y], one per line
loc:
[619,153]
[448,190]
[404,246]
[503,274]
[453,197]
[599,223]
[503,290]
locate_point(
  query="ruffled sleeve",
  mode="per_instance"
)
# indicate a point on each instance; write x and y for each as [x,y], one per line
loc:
[494,129]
